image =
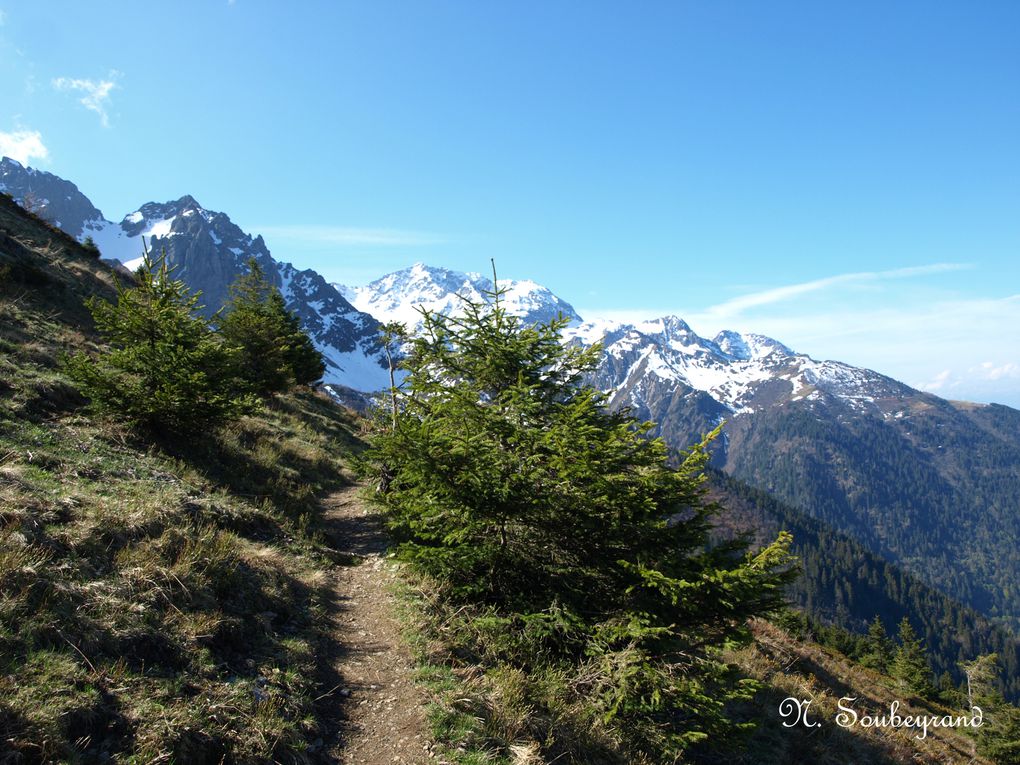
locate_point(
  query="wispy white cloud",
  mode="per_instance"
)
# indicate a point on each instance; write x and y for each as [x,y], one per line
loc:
[344,236]
[96,93]
[989,370]
[3,17]
[715,317]
[938,382]
[23,145]
[739,305]
[967,348]
[988,381]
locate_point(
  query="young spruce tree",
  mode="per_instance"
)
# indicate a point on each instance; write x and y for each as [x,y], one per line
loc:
[514,486]
[275,353]
[165,370]
[910,665]
[879,647]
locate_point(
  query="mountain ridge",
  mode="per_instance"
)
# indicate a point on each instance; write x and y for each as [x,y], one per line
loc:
[397,295]
[729,367]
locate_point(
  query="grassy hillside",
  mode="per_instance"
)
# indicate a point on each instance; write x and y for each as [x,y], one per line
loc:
[159,602]
[791,666]
[486,706]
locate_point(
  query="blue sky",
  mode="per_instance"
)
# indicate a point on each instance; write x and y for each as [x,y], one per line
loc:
[843,176]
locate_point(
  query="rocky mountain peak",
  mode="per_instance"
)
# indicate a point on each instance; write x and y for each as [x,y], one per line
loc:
[749,346]
[209,251]
[733,345]
[188,202]
[161,216]
[50,196]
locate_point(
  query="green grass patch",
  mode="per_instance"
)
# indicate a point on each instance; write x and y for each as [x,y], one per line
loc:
[164,601]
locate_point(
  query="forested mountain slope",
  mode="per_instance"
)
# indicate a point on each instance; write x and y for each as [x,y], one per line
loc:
[934,488]
[844,584]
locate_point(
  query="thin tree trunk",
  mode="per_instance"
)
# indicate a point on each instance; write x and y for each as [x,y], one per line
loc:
[393,389]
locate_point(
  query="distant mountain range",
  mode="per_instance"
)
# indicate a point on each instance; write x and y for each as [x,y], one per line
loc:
[931,485]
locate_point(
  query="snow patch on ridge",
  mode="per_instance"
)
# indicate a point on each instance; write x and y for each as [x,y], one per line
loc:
[399,295]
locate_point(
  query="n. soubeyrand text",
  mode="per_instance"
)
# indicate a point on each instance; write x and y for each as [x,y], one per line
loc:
[849,718]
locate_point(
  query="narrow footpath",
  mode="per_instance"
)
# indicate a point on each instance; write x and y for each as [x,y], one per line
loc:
[374,707]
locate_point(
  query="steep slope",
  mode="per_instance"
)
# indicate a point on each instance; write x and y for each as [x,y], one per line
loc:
[934,488]
[159,602]
[488,710]
[844,584]
[794,666]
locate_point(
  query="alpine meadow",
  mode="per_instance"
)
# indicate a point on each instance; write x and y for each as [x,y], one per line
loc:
[579,384]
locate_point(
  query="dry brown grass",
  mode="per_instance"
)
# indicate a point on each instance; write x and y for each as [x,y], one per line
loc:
[146,607]
[158,602]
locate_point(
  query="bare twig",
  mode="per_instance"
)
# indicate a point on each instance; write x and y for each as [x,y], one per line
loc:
[92,666]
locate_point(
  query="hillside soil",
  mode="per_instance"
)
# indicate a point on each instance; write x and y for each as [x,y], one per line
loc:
[376,705]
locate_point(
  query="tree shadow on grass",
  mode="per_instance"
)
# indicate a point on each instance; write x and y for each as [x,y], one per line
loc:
[88,732]
[329,706]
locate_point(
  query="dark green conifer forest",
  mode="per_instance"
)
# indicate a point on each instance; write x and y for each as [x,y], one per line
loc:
[845,586]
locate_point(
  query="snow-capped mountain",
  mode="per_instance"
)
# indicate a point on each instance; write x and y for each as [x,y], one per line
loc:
[209,251]
[397,296]
[740,372]
[737,372]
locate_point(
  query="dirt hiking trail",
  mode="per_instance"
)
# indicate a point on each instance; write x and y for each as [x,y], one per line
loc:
[375,709]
